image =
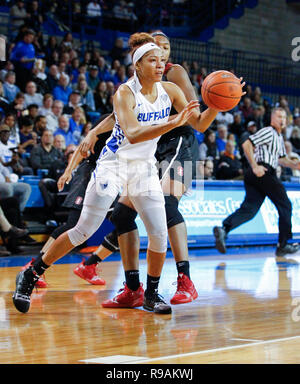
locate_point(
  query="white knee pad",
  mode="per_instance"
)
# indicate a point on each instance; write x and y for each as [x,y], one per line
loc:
[157,242]
[151,209]
[90,220]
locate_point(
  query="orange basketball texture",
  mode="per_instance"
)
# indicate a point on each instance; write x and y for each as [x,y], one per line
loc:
[221,90]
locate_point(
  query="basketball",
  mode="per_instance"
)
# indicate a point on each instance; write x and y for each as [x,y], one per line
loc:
[221,90]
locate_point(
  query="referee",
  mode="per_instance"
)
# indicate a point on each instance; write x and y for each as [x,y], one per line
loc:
[264,150]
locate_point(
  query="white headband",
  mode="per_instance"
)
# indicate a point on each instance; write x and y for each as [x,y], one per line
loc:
[140,52]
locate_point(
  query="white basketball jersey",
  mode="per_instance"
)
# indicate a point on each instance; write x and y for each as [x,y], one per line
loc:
[147,114]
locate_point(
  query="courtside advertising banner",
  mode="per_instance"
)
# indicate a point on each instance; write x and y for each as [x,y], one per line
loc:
[204,208]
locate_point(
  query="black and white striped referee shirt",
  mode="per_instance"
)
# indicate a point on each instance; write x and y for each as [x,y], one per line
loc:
[268,146]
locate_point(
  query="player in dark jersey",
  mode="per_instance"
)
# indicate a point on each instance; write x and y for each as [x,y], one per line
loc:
[178,148]
[73,202]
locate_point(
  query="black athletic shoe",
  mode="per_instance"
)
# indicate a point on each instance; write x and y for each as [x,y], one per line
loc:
[287,249]
[16,232]
[156,304]
[25,282]
[220,236]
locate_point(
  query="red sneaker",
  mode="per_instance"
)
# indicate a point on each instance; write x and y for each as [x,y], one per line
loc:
[186,291]
[41,283]
[126,298]
[89,273]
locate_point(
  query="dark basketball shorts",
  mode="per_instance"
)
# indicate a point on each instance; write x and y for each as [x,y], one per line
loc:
[177,157]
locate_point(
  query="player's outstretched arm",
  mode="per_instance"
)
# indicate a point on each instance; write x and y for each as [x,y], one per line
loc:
[88,143]
[199,121]
[66,177]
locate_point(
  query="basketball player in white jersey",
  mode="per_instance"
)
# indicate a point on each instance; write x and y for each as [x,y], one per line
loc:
[142,107]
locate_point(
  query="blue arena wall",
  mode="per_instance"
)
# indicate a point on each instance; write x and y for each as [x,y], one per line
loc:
[208,203]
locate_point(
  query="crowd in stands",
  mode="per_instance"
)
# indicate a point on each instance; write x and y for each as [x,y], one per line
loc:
[51,95]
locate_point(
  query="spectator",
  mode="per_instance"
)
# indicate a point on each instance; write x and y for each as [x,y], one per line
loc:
[62,91]
[114,68]
[74,102]
[110,88]
[101,97]
[93,77]
[54,59]
[9,156]
[8,188]
[9,87]
[225,118]
[28,138]
[104,74]
[87,57]
[257,97]
[87,97]
[6,66]
[59,166]
[65,58]
[52,118]
[236,127]
[221,137]
[229,167]
[64,130]
[67,42]
[4,103]
[85,130]
[249,91]
[10,218]
[44,154]
[118,52]
[208,148]
[95,56]
[246,108]
[130,71]
[31,95]
[6,154]
[76,123]
[258,116]
[14,137]
[208,169]
[292,156]
[52,77]
[120,10]
[120,76]
[93,9]
[18,14]
[294,125]
[268,110]
[110,104]
[52,46]
[295,139]
[35,18]
[23,57]
[59,143]
[74,70]
[39,77]
[46,108]
[40,125]
[32,110]
[201,76]
[17,107]
[62,70]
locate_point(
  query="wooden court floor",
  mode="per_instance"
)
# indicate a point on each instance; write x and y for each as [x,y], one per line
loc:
[248,311]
